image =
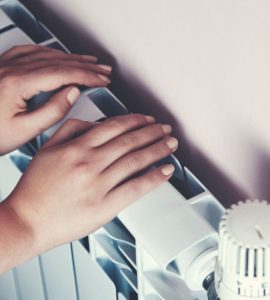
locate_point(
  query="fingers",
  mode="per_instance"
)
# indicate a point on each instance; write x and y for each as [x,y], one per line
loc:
[114,127]
[17,51]
[52,54]
[35,122]
[30,53]
[71,129]
[132,141]
[53,77]
[68,63]
[120,197]
[43,69]
[137,161]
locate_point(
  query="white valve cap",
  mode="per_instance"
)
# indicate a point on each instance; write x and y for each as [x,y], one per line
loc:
[243,264]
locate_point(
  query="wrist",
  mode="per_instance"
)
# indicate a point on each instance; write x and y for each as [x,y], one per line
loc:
[17,240]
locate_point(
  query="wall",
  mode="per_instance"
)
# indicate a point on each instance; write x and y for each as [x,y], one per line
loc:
[203,66]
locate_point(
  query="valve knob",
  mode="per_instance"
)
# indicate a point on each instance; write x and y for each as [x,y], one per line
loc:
[243,263]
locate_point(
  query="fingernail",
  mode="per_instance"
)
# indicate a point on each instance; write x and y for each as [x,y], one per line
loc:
[104,78]
[73,95]
[106,67]
[150,119]
[166,128]
[172,143]
[90,57]
[167,170]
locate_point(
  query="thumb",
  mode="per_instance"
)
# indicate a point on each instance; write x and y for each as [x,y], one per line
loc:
[51,112]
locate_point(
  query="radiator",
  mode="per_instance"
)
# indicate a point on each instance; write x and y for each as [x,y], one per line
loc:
[146,251]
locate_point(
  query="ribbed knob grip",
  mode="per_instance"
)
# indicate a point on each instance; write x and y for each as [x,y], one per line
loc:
[243,265]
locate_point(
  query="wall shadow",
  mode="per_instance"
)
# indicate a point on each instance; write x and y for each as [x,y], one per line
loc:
[137,97]
[261,173]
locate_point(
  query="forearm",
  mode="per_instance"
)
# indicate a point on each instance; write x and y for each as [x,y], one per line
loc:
[16,241]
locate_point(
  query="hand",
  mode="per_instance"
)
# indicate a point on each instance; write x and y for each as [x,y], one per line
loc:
[85,175]
[27,70]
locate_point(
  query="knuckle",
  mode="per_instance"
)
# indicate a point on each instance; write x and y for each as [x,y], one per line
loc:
[72,153]
[134,189]
[115,123]
[80,173]
[73,122]
[155,131]
[161,150]
[129,140]
[139,119]
[72,125]
[81,168]
[158,129]
[58,111]
[68,152]
[79,57]
[155,178]
[134,162]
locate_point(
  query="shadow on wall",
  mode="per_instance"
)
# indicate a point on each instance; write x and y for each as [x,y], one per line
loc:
[137,97]
[261,172]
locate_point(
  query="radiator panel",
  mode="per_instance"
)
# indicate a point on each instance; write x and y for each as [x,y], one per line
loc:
[128,259]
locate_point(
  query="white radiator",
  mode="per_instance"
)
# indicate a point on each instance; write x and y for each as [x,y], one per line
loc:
[145,253]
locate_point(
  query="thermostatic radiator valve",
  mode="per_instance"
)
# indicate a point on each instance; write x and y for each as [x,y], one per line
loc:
[243,264]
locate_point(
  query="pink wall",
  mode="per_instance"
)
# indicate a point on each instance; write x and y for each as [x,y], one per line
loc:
[203,66]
